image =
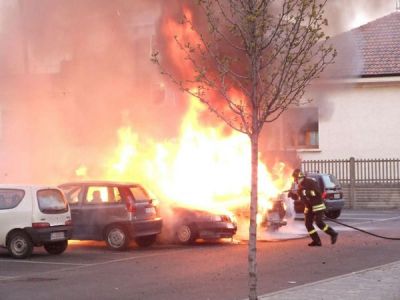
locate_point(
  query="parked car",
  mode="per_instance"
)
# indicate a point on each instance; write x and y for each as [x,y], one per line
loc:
[189,225]
[114,212]
[32,216]
[331,193]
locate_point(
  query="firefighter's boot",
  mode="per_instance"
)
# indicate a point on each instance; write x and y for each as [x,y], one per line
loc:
[316,242]
[332,233]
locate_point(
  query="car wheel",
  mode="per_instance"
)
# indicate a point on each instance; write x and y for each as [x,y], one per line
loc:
[333,214]
[56,247]
[20,245]
[117,238]
[185,234]
[145,241]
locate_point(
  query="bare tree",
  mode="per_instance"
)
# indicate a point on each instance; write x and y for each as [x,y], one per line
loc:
[255,59]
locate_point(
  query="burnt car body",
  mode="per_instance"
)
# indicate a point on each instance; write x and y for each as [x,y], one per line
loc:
[113,211]
[274,218]
[332,194]
[188,225]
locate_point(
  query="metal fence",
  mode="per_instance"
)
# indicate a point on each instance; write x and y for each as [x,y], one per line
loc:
[357,171]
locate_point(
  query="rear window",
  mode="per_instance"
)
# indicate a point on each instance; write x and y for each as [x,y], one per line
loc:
[139,194]
[10,198]
[51,201]
[330,181]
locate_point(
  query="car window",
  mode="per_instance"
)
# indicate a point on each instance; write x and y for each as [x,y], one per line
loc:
[97,195]
[73,194]
[51,201]
[139,194]
[330,181]
[114,195]
[10,198]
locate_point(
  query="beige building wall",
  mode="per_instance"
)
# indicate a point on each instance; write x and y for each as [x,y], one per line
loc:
[363,121]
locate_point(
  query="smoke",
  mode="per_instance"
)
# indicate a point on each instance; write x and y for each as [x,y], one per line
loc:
[72,73]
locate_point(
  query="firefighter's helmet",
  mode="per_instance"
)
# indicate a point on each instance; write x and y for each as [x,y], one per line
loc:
[298,174]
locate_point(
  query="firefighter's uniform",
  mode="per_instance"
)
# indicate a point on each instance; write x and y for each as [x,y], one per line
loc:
[310,194]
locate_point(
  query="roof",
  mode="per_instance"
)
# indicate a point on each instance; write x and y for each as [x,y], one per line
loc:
[370,50]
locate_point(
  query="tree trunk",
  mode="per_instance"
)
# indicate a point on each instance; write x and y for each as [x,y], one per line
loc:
[252,251]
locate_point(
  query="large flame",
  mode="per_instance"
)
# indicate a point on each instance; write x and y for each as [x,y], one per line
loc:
[204,168]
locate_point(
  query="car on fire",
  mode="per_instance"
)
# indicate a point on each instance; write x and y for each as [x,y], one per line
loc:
[332,194]
[115,212]
[33,216]
[189,225]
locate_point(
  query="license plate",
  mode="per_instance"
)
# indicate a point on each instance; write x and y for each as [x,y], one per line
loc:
[57,235]
[150,210]
[337,196]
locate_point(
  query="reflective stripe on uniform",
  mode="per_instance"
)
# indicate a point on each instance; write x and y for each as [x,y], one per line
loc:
[306,210]
[326,227]
[318,207]
[312,231]
[312,193]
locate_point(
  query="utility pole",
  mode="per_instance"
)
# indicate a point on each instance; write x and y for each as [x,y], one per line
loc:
[397,4]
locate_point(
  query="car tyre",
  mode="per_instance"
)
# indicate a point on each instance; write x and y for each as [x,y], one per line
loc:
[56,248]
[185,234]
[145,241]
[333,214]
[20,245]
[117,238]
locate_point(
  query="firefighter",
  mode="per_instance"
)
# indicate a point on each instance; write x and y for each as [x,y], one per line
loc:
[314,207]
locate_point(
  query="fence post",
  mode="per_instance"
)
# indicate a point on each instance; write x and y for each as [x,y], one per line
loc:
[352,182]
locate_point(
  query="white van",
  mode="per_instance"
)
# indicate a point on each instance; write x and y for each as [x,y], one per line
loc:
[32,215]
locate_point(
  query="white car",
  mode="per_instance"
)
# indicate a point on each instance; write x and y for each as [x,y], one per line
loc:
[32,215]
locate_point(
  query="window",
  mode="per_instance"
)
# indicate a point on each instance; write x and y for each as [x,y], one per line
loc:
[51,201]
[97,195]
[73,194]
[10,198]
[301,128]
[139,194]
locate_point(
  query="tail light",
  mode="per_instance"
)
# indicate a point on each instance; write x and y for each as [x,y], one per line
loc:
[324,195]
[40,225]
[68,223]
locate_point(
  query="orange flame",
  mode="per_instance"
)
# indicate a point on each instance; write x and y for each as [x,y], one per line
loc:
[203,168]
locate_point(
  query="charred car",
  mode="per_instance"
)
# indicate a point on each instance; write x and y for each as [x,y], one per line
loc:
[275,217]
[188,225]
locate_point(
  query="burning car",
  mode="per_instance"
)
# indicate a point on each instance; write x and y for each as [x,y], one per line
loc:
[274,217]
[186,225]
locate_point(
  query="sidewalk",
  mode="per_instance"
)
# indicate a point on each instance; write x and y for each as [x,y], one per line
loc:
[381,282]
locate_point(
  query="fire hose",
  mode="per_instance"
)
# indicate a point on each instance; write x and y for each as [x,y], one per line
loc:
[364,231]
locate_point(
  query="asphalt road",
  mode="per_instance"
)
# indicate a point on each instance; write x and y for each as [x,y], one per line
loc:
[87,270]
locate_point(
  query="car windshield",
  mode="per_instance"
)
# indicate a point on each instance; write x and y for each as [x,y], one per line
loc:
[51,201]
[330,181]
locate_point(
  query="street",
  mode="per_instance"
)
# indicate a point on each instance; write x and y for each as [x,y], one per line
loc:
[88,270]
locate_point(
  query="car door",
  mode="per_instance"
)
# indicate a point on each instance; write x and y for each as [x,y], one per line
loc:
[74,195]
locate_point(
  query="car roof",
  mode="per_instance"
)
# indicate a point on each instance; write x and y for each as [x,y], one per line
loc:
[26,186]
[100,182]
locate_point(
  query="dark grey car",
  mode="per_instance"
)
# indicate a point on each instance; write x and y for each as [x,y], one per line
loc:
[332,194]
[112,211]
